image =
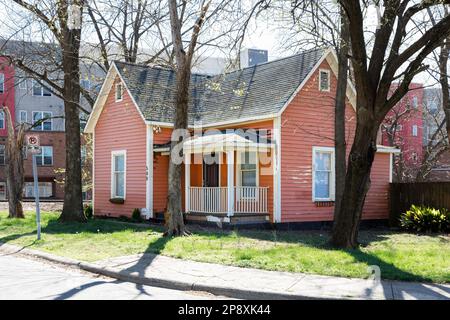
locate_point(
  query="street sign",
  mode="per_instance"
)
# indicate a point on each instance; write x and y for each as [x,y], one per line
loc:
[33,146]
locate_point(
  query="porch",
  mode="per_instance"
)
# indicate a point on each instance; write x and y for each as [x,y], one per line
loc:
[228,176]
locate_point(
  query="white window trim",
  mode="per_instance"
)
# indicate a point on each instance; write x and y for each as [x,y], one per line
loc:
[333,173]
[23,84]
[42,123]
[4,154]
[239,168]
[26,116]
[33,82]
[414,131]
[320,80]
[113,154]
[121,91]
[41,155]
[2,87]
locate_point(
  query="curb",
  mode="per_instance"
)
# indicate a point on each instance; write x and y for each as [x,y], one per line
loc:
[230,292]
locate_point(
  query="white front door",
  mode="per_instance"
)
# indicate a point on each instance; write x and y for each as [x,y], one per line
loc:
[2,191]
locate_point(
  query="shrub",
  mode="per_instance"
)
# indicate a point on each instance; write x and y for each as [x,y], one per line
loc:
[88,212]
[425,219]
[136,215]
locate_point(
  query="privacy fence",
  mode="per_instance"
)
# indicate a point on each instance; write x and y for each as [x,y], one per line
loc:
[403,195]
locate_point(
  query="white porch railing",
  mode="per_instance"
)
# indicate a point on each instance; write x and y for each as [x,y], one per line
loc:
[214,200]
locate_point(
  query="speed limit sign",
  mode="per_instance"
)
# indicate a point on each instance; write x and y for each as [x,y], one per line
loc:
[33,144]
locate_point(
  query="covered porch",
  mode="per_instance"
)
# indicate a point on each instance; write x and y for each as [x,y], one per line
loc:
[228,175]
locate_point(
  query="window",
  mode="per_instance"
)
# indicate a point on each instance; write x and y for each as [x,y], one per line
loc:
[2,155]
[248,175]
[23,84]
[414,131]
[85,84]
[119,92]
[23,116]
[45,125]
[323,174]
[2,120]
[415,103]
[324,80]
[45,158]
[118,174]
[39,90]
[45,189]
[2,82]
[398,127]
[83,154]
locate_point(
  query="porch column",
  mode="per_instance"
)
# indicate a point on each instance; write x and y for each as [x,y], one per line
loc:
[230,182]
[187,181]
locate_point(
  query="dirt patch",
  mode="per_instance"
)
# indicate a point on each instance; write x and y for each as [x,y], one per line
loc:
[30,206]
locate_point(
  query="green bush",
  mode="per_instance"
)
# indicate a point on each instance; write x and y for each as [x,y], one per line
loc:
[88,212]
[425,219]
[136,215]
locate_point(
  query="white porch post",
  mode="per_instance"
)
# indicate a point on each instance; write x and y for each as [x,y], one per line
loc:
[187,181]
[230,182]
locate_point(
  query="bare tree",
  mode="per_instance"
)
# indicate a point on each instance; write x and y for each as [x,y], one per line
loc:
[373,78]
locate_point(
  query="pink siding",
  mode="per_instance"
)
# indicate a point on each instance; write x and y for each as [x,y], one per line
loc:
[120,127]
[309,121]
[7,97]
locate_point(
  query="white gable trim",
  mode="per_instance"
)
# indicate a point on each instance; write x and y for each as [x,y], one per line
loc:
[99,104]
[331,57]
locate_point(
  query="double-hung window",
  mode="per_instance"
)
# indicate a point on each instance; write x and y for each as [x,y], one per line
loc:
[248,174]
[45,118]
[119,92]
[118,174]
[45,158]
[2,155]
[2,82]
[414,130]
[324,80]
[323,174]
[23,116]
[39,90]
[2,120]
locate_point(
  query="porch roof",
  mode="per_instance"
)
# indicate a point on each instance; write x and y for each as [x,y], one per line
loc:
[222,142]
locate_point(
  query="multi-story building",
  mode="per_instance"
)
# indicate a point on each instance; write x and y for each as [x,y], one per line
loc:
[403,128]
[6,99]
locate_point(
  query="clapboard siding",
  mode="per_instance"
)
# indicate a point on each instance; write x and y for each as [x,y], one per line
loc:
[308,121]
[120,127]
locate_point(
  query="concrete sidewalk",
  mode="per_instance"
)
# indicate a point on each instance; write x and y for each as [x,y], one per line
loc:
[244,283]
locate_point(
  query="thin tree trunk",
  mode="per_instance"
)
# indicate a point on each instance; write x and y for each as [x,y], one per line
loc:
[73,201]
[339,120]
[14,167]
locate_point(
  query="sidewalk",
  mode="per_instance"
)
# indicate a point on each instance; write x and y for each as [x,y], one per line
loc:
[244,283]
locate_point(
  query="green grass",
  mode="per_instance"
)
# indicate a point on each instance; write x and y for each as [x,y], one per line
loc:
[400,256]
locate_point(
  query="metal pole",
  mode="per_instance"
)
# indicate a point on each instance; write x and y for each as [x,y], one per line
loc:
[36,197]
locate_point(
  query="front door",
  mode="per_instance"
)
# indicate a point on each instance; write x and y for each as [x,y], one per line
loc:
[2,191]
[210,175]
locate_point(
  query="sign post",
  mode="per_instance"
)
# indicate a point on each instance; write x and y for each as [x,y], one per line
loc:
[34,148]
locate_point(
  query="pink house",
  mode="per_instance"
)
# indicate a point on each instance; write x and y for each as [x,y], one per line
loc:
[260,147]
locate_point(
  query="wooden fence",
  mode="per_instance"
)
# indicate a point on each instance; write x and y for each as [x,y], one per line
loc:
[403,195]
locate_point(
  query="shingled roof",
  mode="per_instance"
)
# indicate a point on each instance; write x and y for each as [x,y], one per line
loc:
[251,92]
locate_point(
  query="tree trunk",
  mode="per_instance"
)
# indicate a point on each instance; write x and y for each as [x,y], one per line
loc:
[357,183]
[73,201]
[14,167]
[175,225]
[339,120]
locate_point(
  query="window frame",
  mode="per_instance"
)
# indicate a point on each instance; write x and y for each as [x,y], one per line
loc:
[3,147]
[239,167]
[2,83]
[22,84]
[327,71]
[114,154]
[42,157]
[121,92]
[20,116]
[2,118]
[33,83]
[332,191]
[414,130]
[42,123]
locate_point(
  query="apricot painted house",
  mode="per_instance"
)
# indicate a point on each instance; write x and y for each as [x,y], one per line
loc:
[281,172]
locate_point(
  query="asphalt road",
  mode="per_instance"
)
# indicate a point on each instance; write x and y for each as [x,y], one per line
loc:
[29,279]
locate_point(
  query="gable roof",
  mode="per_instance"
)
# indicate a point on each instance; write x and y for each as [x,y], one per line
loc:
[254,91]
[259,92]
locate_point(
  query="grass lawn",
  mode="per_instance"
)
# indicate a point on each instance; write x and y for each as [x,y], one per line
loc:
[400,256]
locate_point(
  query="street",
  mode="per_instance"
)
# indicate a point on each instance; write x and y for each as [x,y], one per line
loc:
[22,278]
